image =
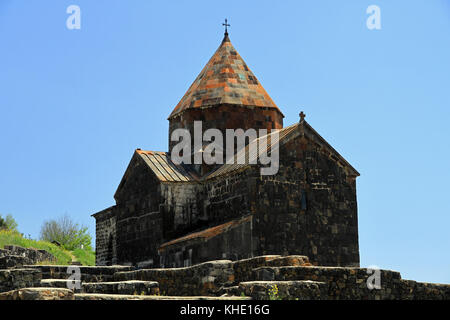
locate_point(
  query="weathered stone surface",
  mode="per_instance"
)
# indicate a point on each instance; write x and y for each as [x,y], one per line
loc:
[218,278]
[244,268]
[294,261]
[38,294]
[131,287]
[284,290]
[412,290]
[10,261]
[93,296]
[229,291]
[309,207]
[202,279]
[19,278]
[3,252]
[351,283]
[87,273]
[60,283]
[34,255]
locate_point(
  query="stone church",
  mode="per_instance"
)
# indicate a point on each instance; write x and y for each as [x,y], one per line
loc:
[175,215]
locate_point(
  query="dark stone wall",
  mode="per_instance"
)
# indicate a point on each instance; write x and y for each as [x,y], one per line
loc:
[233,243]
[138,185]
[131,231]
[197,207]
[225,117]
[19,278]
[105,237]
[231,196]
[182,207]
[309,207]
[138,238]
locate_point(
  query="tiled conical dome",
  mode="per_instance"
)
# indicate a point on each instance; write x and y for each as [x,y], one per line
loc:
[226,79]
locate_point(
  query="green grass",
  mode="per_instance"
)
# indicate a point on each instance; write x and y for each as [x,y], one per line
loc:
[63,257]
[86,257]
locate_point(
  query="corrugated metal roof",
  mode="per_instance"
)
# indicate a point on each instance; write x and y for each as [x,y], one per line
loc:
[252,152]
[164,168]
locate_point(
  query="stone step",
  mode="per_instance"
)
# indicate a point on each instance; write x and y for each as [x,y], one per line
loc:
[343,282]
[200,280]
[324,274]
[87,273]
[38,294]
[19,278]
[60,283]
[66,294]
[284,290]
[34,255]
[229,291]
[95,296]
[13,261]
[132,287]
[289,261]
[4,252]
[243,269]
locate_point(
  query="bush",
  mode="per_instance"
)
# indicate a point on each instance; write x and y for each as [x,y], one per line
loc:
[67,233]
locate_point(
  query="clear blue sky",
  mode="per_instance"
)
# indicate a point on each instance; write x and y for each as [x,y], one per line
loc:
[74,104]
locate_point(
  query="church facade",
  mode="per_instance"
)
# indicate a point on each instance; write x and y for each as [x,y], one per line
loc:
[169,214]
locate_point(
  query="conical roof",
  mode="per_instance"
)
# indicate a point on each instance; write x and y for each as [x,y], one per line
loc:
[226,79]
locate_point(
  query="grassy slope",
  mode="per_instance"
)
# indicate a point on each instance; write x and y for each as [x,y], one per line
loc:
[86,257]
[63,256]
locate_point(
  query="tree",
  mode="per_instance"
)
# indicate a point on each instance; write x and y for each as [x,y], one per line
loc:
[2,224]
[11,223]
[67,233]
[8,223]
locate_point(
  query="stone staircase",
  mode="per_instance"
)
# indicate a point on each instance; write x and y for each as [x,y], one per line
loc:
[261,278]
[308,282]
[96,283]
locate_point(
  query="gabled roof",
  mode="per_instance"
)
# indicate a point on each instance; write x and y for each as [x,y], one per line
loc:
[249,156]
[159,166]
[301,128]
[226,79]
[164,169]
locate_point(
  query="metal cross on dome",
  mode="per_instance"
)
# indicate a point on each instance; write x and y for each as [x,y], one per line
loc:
[226,26]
